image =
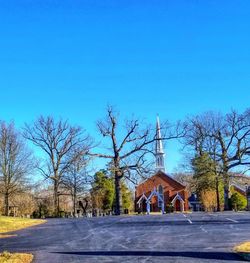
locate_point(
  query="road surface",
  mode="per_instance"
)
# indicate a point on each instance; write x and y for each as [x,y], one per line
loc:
[196,237]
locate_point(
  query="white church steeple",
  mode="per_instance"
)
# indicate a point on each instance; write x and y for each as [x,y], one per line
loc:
[159,152]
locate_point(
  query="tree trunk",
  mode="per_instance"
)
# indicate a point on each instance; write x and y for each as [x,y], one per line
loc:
[226,191]
[6,204]
[226,197]
[86,206]
[118,200]
[56,199]
[74,203]
[217,194]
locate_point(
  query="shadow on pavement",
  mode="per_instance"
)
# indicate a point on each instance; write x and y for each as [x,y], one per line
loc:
[180,222]
[189,254]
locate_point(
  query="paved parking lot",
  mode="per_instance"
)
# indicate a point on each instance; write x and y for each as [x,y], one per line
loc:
[196,237]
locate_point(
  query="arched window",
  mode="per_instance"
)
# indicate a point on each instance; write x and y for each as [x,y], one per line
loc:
[160,189]
[160,192]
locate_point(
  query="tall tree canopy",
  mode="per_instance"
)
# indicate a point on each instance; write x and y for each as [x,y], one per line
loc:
[15,163]
[128,146]
[226,138]
[62,144]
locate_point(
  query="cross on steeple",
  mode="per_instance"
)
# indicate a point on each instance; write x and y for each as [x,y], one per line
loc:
[159,152]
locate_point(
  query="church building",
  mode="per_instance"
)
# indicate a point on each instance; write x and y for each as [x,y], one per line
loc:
[160,192]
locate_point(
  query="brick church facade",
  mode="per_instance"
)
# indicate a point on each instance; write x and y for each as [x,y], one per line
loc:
[173,193]
[160,192]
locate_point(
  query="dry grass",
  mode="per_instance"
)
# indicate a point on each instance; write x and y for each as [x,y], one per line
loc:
[243,248]
[9,224]
[7,257]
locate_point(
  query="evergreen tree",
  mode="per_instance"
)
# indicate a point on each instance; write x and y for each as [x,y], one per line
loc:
[127,198]
[103,192]
[206,178]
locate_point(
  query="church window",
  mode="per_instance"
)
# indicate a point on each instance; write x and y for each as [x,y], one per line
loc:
[160,193]
[160,189]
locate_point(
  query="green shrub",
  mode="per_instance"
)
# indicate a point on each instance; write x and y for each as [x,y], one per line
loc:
[61,214]
[238,201]
[169,208]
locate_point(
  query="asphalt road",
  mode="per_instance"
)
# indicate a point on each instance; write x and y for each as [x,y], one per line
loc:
[196,237]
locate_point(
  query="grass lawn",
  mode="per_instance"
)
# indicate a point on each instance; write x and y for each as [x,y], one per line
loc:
[243,250]
[8,224]
[7,257]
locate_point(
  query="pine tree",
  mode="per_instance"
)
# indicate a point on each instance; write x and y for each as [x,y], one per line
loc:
[206,178]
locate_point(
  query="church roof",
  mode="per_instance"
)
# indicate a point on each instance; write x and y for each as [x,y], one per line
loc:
[169,178]
[165,177]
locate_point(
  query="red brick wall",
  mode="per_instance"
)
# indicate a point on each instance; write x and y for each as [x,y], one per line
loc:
[170,189]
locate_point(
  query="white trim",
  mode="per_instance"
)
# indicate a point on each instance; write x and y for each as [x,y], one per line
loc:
[153,193]
[141,198]
[177,196]
[181,202]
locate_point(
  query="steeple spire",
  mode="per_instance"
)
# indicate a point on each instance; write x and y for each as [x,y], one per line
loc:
[159,152]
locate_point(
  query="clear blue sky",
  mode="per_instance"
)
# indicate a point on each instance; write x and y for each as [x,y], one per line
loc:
[72,58]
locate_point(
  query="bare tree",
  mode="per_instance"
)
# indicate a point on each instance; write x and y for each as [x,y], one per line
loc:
[15,163]
[231,135]
[61,145]
[227,140]
[128,149]
[85,202]
[196,134]
[76,179]
[197,137]
[185,179]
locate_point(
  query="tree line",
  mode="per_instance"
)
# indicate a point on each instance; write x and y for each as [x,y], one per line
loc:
[220,145]
[217,144]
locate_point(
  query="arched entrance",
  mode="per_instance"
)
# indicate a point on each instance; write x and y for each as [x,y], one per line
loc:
[147,201]
[177,206]
[155,194]
[142,204]
[178,203]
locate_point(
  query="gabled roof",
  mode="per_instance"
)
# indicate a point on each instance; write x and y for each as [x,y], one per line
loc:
[164,177]
[169,178]
[141,198]
[177,197]
[154,193]
[238,188]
